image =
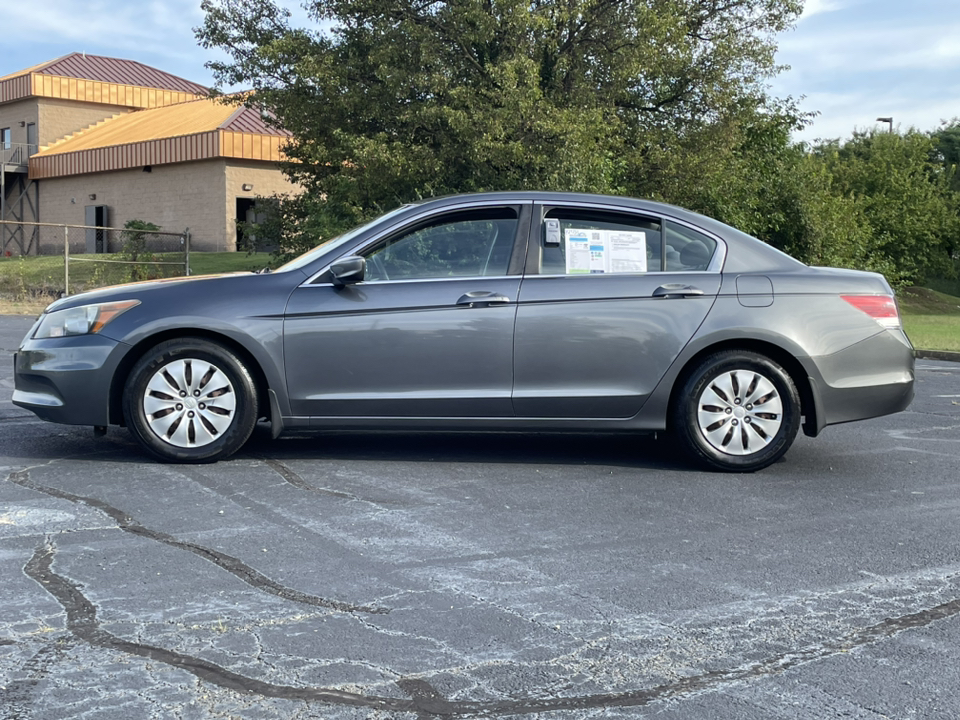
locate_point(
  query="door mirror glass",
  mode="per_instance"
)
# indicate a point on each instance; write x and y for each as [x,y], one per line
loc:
[348,270]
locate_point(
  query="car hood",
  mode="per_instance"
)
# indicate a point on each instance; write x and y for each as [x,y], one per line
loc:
[132,290]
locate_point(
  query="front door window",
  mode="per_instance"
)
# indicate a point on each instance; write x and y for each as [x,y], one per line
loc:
[468,244]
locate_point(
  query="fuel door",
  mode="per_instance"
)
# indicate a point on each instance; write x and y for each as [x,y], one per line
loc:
[754,290]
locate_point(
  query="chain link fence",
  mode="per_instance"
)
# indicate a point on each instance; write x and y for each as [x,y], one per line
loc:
[47,260]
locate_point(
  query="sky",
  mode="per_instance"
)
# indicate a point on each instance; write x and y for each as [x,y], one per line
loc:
[856,60]
[851,61]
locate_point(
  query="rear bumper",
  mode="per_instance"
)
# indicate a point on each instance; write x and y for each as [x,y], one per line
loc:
[67,380]
[871,378]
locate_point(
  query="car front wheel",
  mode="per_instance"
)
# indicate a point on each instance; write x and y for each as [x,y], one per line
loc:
[190,400]
[737,411]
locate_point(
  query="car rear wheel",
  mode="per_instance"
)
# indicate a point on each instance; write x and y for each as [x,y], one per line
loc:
[190,400]
[737,411]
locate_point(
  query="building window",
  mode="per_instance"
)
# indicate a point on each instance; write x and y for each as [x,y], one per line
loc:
[5,138]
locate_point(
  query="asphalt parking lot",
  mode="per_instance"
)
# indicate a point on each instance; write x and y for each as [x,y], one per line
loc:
[418,576]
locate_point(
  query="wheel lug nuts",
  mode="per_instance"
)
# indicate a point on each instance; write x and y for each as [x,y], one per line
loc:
[196,393]
[179,406]
[728,411]
[190,414]
[749,407]
[746,420]
[182,394]
[737,401]
[202,406]
[735,423]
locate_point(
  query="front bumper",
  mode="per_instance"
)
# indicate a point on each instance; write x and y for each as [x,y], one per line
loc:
[67,380]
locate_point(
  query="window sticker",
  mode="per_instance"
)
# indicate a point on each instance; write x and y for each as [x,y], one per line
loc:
[577,251]
[605,251]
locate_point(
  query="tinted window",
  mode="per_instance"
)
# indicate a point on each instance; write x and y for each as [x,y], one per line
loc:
[600,242]
[687,249]
[475,243]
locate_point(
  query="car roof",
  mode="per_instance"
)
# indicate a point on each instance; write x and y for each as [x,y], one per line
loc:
[551,197]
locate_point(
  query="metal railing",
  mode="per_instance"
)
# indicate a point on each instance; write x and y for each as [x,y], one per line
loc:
[16,154]
[67,259]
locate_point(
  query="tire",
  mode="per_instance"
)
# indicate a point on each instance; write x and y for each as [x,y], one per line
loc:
[737,411]
[190,400]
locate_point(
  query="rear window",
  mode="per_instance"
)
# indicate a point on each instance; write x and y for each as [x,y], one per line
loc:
[686,249]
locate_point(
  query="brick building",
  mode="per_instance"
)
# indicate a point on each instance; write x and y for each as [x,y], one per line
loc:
[94,140]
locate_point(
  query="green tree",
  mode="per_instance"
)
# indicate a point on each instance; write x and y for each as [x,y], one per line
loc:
[399,100]
[902,191]
[947,143]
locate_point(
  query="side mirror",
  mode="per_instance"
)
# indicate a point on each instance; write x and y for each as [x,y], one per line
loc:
[348,270]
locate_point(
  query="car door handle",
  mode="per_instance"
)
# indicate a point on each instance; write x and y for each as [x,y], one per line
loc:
[674,290]
[481,298]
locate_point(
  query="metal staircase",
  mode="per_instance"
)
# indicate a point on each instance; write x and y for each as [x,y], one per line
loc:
[19,200]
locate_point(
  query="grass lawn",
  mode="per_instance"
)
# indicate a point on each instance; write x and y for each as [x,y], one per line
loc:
[933,332]
[40,279]
[207,263]
[931,319]
[28,306]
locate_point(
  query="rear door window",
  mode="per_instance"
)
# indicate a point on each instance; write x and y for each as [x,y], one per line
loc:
[588,242]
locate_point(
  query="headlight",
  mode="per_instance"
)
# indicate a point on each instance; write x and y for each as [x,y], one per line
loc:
[81,320]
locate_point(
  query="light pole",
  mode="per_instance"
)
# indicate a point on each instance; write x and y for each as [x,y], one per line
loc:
[888,120]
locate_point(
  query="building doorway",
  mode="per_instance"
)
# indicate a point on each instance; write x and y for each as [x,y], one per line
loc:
[247,241]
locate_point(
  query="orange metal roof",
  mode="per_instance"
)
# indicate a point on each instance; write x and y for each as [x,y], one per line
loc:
[187,132]
[112,70]
[187,118]
[163,122]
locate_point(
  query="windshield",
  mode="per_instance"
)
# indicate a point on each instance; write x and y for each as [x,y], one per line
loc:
[335,242]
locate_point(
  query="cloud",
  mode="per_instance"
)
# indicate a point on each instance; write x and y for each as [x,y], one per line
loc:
[155,32]
[870,59]
[848,47]
[816,7]
[158,27]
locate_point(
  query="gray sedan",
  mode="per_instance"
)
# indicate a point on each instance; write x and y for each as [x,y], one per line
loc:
[501,311]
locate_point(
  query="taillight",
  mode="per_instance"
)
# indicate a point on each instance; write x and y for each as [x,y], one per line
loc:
[882,308]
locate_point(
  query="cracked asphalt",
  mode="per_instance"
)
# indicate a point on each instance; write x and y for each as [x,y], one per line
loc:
[421,576]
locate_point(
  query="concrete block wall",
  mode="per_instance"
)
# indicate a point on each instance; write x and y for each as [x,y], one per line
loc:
[12,114]
[174,197]
[59,118]
[55,119]
[197,195]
